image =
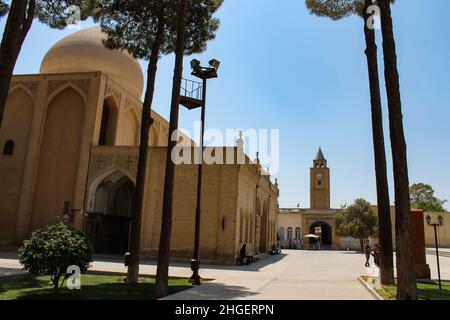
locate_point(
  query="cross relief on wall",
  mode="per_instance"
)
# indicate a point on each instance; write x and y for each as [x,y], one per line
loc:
[102,162]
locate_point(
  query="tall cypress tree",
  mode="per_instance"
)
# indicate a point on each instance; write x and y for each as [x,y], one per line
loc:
[338,9]
[147,29]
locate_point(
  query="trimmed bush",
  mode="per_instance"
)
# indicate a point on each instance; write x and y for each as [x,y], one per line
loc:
[52,249]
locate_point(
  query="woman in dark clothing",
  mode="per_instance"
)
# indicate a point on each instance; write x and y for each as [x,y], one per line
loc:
[367,251]
[376,255]
[243,254]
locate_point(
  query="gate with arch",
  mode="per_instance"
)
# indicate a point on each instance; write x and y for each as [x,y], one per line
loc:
[108,219]
[326,234]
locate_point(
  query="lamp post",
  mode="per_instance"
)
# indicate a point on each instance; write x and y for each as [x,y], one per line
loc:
[204,74]
[435,225]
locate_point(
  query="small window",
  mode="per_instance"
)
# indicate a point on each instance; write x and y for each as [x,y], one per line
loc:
[8,148]
[298,234]
[290,233]
[281,233]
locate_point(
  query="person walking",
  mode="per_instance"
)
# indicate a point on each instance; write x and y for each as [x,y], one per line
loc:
[367,251]
[376,255]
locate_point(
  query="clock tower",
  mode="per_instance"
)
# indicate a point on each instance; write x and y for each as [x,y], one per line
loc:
[320,183]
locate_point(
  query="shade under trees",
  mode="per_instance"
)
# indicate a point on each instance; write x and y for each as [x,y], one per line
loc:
[336,10]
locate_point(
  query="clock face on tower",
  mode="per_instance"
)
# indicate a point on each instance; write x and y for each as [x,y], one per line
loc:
[319,179]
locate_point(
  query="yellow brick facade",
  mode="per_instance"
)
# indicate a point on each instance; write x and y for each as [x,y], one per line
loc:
[75,134]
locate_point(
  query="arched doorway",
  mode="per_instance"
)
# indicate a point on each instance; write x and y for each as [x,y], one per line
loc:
[326,235]
[109,216]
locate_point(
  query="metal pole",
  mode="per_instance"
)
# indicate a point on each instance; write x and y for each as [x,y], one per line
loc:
[437,255]
[195,263]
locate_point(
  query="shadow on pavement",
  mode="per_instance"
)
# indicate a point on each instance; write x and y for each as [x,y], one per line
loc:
[213,291]
[10,254]
[255,266]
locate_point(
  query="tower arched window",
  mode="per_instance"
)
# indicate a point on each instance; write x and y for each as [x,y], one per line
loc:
[8,148]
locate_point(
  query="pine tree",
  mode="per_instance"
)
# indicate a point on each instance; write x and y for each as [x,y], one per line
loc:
[147,29]
[192,15]
[406,280]
[54,13]
[338,9]
[3,8]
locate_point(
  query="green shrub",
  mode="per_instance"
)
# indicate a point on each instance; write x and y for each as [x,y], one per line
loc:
[52,249]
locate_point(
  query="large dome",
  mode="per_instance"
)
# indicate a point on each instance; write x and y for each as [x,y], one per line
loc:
[83,51]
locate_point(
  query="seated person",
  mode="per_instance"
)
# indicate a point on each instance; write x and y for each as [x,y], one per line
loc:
[243,255]
[275,250]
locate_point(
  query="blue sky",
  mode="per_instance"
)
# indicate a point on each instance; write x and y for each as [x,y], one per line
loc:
[307,76]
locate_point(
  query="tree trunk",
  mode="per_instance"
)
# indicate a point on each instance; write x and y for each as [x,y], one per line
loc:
[20,18]
[56,284]
[162,274]
[406,280]
[146,122]
[384,211]
[361,244]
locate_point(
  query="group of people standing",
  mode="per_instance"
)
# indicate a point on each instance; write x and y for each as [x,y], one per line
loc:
[375,254]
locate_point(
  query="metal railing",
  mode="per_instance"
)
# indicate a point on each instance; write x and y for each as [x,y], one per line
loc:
[191,89]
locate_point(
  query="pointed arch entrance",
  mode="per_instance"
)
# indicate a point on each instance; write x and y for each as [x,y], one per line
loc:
[109,213]
[326,235]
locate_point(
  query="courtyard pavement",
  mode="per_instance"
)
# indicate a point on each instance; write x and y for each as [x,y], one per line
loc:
[294,275]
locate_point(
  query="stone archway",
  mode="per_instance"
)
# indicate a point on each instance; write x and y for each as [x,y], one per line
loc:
[109,216]
[326,239]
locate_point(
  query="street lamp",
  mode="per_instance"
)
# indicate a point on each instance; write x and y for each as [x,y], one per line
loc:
[435,225]
[204,74]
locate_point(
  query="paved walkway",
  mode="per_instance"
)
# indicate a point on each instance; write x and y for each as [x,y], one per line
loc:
[294,275]
[10,274]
